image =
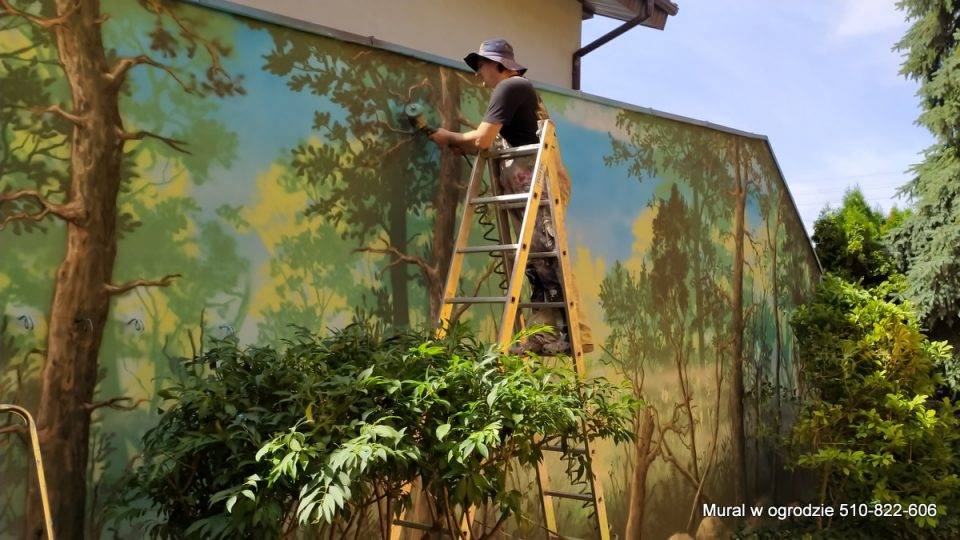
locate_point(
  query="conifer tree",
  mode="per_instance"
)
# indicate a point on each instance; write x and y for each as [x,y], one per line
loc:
[927,244]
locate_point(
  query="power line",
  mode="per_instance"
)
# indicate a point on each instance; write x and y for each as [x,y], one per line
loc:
[826,203]
[864,175]
[814,191]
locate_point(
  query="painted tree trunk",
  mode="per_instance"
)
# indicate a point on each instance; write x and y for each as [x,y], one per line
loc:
[638,482]
[399,273]
[699,319]
[449,192]
[756,352]
[777,353]
[736,330]
[80,299]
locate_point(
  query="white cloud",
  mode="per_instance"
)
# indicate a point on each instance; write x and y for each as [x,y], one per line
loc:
[860,18]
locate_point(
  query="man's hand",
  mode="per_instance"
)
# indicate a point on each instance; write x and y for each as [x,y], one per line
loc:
[442,137]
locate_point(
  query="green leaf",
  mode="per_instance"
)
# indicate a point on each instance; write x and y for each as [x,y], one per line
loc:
[263,451]
[230,502]
[492,396]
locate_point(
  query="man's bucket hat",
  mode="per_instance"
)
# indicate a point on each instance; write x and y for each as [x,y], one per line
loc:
[497,50]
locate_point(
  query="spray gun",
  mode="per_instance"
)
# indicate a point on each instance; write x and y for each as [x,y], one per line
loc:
[415,115]
[416,112]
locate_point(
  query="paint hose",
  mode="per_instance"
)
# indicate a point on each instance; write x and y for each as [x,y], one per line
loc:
[416,116]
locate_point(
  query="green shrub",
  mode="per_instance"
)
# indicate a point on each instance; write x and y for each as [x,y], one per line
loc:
[256,442]
[868,425]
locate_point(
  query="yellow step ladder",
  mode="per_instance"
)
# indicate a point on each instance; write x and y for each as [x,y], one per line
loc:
[543,195]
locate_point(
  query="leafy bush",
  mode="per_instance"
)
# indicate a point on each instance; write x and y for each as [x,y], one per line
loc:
[869,426]
[256,442]
[849,239]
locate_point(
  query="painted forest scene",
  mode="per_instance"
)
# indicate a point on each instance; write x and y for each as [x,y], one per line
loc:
[195,205]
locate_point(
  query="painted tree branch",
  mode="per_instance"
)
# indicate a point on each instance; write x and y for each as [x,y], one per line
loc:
[165,281]
[76,119]
[9,10]
[13,428]
[118,74]
[668,455]
[71,212]
[463,307]
[140,135]
[159,8]
[400,257]
[114,403]
[23,216]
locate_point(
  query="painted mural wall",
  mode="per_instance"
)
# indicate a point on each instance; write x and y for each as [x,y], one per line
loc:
[235,177]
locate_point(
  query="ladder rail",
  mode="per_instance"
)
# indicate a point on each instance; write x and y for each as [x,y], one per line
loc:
[37,461]
[463,234]
[504,227]
[573,321]
[524,238]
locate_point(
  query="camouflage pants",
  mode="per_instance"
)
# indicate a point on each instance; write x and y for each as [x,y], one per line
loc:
[544,274]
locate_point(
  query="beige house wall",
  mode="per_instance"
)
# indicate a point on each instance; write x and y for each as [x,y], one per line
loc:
[544,33]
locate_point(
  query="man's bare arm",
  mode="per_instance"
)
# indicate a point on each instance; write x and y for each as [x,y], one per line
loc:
[470,142]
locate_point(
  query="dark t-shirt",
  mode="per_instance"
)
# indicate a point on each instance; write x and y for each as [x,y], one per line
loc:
[513,104]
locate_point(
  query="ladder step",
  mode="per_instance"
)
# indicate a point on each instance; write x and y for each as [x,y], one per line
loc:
[513,197]
[565,495]
[510,206]
[543,254]
[569,449]
[516,151]
[484,249]
[412,525]
[420,527]
[476,300]
[542,304]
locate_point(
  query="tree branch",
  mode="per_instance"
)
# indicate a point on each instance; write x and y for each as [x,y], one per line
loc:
[399,257]
[8,9]
[55,109]
[140,135]
[71,212]
[159,8]
[13,429]
[119,72]
[114,403]
[114,290]
[457,313]
[23,216]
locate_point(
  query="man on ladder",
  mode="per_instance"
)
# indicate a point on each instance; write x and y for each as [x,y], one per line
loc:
[513,114]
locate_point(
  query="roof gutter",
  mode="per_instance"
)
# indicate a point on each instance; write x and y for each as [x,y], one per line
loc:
[653,13]
[595,44]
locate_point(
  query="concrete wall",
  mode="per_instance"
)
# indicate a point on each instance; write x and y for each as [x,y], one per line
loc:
[544,33]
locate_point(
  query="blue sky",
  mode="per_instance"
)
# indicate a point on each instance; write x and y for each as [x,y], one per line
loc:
[817,77]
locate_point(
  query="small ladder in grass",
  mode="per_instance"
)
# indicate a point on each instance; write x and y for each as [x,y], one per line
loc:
[543,195]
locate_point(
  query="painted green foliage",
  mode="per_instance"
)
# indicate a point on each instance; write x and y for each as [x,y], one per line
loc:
[160,226]
[307,199]
[687,272]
